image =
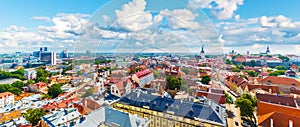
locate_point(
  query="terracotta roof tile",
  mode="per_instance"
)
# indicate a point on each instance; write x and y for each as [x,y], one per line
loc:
[281,80]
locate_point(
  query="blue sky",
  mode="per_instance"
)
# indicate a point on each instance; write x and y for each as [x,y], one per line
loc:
[242,25]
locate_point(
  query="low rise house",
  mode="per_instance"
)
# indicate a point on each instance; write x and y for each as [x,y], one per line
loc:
[62,118]
[39,87]
[142,77]
[217,95]
[275,110]
[6,98]
[122,87]
[284,83]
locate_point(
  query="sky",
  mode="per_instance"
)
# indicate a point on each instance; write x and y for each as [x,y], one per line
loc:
[150,25]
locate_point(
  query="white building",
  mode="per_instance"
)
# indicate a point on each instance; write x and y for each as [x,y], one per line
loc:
[143,77]
[63,118]
[6,98]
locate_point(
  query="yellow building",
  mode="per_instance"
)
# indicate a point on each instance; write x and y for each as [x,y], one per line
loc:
[167,112]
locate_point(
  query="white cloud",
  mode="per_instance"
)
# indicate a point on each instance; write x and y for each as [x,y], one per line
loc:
[42,18]
[221,9]
[132,16]
[181,19]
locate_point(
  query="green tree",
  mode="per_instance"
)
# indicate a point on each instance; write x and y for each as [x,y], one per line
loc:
[88,92]
[235,69]
[15,90]
[240,66]
[273,74]
[34,115]
[281,68]
[42,79]
[284,58]
[173,82]
[42,73]
[18,84]
[228,99]
[20,72]
[205,79]
[252,73]
[247,103]
[55,90]
[29,82]
[252,63]
[185,70]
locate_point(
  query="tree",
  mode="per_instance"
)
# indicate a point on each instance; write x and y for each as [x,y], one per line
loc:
[247,104]
[240,66]
[252,73]
[228,99]
[88,92]
[235,69]
[281,68]
[29,82]
[42,73]
[15,91]
[34,115]
[55,90]
[252,63]
[42,79]
[273,74]
[185,70]
[205,79]
[18,84]
[173,82]
[19,72]
[284,58]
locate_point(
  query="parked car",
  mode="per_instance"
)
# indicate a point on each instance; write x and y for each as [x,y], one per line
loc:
[236,123]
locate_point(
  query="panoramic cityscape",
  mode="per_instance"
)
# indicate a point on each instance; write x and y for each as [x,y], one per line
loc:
[149,63]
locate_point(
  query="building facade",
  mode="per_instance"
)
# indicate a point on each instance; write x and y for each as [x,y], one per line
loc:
[167,112]
[6,98]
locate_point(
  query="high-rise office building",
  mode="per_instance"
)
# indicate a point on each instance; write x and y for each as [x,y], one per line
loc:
[48,57]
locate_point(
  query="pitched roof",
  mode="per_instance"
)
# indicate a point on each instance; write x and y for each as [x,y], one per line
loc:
[39,84]
[281,80]
[143,73]
[279,119]
[220,98]
[274,89]
[275,99]
[179,107]
[5,94]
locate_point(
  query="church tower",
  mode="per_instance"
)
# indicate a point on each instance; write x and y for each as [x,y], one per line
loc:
[268,50]
[202,53]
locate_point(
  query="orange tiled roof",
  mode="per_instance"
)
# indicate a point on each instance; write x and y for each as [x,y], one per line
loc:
[5,94]
[279,119]
[281,100]
[8,116]
[274,89]
[280,80]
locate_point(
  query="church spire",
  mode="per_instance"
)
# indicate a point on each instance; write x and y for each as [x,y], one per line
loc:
[202,51]
[268,50]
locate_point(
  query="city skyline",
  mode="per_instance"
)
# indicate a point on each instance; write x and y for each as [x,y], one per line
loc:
[233,25]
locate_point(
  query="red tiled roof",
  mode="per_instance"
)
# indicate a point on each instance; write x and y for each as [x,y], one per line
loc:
[120,85]
[143,73]
[274,89]
[295,91]
[281,80]
[281,100]
[240,59]
[5,94]
[40,84]
[220,98]
[279,119]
